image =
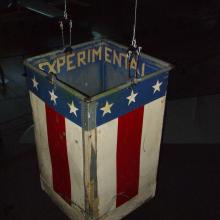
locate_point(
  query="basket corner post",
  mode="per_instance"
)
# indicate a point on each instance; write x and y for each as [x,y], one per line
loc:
[90,159]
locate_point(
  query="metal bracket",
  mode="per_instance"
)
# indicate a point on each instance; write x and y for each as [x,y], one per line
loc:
[88,115]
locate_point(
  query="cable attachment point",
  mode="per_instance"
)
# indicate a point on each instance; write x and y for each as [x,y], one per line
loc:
[134,43]
[64,24]
[133,54]
[65,15]
[52,78]
[62,34]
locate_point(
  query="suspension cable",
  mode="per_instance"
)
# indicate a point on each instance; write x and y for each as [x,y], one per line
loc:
[65,14]
[70,25]
[134,43]
[62,25]
[134,50]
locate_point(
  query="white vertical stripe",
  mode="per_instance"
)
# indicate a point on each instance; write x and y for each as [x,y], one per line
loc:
[75,157]
[150,145]
[106,165]
[41,138]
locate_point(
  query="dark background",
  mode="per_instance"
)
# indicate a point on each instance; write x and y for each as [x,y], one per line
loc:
[185,33]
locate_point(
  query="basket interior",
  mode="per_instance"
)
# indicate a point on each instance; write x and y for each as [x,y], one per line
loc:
[94,67]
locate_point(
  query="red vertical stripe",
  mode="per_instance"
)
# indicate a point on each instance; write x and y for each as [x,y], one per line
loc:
[58,153]
[128,155]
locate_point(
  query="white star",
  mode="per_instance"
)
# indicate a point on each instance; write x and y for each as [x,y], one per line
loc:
[53,97]
[73,108]
[35,83]
[156,87]
[107,108]
[132,97]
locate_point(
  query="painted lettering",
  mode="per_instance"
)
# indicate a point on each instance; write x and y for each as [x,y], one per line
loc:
[143,69]
[89,55]
[52,67]
[60,63]
[116,58]
[96,53]
[133,64]
[81,56]
[108,52]
[123,55]
[72,61]
[69,62]
[41,65]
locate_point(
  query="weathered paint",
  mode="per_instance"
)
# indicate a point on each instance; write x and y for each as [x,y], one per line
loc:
[58,153]
[90,174]
[106,154]
[75,159]
[67,181]
[150,143]
[128,155]
[40,128]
